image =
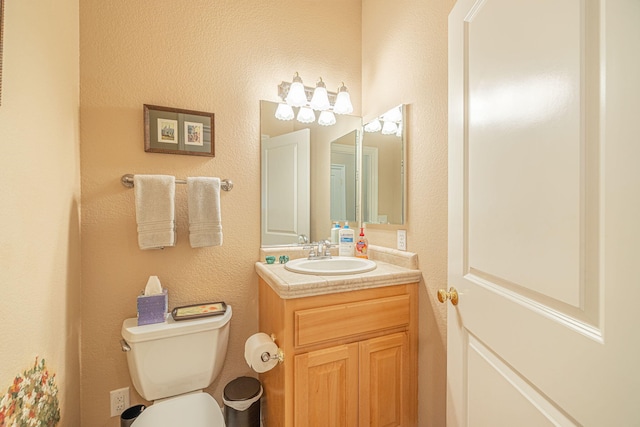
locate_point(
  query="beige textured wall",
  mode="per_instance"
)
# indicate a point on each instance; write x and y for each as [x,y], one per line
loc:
[221,57]
[404,59]
[40,187]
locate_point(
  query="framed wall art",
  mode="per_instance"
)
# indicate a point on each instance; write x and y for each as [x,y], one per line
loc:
[176,131]
[1,43]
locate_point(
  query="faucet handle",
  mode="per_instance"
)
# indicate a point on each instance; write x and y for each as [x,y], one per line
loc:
[327,248]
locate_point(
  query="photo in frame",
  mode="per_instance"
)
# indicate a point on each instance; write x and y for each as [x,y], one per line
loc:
[177,131]
[1,43]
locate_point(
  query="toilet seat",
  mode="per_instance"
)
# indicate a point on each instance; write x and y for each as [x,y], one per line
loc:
[193,410]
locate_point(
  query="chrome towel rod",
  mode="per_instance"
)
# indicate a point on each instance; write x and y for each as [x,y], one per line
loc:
[127,181]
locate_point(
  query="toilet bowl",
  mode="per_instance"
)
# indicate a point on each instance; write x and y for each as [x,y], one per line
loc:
[171,363]
[192,410]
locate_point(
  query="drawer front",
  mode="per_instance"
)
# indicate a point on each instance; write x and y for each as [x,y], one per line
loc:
[317,325]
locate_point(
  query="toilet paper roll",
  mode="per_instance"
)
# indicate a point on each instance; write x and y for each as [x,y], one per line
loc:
[255,346]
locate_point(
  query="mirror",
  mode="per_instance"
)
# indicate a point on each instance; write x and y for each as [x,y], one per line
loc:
[296,178]
[383,178]
[309,176]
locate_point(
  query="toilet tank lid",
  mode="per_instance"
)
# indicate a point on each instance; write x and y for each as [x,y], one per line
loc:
[133,333]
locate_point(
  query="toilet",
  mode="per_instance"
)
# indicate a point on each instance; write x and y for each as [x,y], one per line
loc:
[171,363]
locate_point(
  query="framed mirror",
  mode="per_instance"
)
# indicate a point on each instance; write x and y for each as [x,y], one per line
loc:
[309,176]
[296,182]
[383,174]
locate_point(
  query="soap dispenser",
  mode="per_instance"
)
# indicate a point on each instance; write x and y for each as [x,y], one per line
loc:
[335,233]
[362,244]
[345,247]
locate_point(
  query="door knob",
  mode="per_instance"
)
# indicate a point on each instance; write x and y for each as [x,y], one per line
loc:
[452,295]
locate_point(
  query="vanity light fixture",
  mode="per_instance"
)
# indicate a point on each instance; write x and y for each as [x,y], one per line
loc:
[373,126]
[389,128]
[320,99]
[306,115]
[343,101]
[327,118]
[390,123]
[295,94]
[284,112]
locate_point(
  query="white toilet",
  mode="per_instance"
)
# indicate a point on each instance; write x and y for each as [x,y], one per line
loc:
[171,363]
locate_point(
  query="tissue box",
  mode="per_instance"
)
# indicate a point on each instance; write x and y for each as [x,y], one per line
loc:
[152,308]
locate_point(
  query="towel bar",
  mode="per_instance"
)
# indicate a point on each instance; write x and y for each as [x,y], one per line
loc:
[127,181]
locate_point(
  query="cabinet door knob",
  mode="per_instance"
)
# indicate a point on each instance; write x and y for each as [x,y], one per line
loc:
[452,295]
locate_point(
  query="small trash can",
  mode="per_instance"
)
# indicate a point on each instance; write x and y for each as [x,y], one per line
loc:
[242,402]
[130,414]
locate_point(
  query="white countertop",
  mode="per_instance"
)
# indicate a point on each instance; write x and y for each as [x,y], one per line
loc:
[393,268]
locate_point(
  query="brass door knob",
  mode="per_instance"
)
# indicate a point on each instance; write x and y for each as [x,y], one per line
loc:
[452,295]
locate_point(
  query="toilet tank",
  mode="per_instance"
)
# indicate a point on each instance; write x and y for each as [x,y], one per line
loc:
[172,358]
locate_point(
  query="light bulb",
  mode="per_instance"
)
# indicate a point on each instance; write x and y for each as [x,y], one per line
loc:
[320,99]
[327,118]
[393,115]
[389,128]
[373,126]
[284,112]
[343,101]
[306,115]
[296,96]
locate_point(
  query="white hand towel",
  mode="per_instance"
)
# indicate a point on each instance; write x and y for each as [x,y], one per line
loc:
[155,210]
[205,227]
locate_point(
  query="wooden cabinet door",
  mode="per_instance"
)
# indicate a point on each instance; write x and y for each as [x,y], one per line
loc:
[384,382]
[326,387]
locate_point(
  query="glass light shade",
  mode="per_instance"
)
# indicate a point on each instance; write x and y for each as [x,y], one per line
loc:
[393,115]
[373,126]
[389,128]
[296,96]
[306,115]
[343,101]
[284,112]
[320,99]
[399,132]
[327,118]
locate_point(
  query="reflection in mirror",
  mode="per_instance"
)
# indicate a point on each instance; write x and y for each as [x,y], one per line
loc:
[343,178]
[296,168]
[383,169]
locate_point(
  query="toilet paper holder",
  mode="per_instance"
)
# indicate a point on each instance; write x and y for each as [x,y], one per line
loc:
[266,356]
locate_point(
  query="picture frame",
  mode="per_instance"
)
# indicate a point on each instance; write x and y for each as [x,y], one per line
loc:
[1,43]
[177,131]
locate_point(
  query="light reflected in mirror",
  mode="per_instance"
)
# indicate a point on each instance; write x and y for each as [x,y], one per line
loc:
[296,181]
[383,178]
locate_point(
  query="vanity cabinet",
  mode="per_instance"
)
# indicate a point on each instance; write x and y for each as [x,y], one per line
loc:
[350,358]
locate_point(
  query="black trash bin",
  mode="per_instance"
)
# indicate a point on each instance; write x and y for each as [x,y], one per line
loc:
[242,402]
[130,414]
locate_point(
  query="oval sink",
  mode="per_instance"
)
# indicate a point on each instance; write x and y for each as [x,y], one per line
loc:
[330,266]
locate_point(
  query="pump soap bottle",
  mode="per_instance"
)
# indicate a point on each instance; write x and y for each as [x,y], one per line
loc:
[345,247]
[335,233]
[362,244]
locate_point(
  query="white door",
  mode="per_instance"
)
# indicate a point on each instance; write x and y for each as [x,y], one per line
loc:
[544,213]
[286,213]
[338,193]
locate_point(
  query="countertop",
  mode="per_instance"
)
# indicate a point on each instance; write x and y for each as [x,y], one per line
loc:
[393,268]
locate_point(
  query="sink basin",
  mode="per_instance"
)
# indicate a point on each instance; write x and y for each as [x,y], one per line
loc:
[330,266]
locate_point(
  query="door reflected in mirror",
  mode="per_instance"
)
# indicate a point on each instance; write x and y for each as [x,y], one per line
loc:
[343,190]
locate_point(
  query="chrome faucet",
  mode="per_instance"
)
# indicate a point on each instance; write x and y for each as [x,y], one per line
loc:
[319,250]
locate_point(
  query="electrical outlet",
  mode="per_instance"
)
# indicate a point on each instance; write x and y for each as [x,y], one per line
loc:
[402,240]
[119,401]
